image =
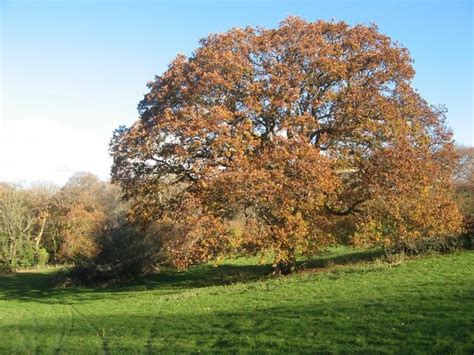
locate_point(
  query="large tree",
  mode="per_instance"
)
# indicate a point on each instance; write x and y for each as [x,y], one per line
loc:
[310,132]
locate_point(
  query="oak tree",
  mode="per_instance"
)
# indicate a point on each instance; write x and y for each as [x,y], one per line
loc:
[311,132]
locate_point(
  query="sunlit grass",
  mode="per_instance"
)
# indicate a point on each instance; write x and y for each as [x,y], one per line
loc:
[422,305]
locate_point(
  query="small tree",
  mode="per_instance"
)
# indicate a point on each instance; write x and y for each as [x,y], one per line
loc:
[311,131]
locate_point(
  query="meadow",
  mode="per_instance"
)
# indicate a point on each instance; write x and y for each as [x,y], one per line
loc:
[345,301]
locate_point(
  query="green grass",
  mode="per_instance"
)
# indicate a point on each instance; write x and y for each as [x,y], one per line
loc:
[424,305]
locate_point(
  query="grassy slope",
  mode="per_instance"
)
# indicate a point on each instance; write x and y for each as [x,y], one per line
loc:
[423,305]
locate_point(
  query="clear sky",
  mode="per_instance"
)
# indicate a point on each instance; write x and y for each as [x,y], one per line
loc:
[72,71]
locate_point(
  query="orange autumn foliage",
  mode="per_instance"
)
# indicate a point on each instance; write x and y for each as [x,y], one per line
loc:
[81,216]
[311,132]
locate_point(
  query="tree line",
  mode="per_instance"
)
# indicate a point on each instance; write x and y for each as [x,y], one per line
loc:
[46,223]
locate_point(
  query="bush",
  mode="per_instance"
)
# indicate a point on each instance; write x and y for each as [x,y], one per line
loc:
[467,238]
[5,268]
[26,255]
[125,254]
[42,257]
[426,245]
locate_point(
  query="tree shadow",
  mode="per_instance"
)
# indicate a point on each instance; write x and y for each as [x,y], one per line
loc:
[205,276]
[351,256]
[37,286]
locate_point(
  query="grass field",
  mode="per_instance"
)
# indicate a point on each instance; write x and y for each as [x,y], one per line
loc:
[423,305]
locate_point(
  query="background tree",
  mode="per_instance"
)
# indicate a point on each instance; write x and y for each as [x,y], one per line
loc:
[464,184]
[16,221]
[42,199]
[311,131]
[464,180]
[42,222]
[81,217]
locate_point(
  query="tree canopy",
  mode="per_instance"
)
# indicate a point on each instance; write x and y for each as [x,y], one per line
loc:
[310,133]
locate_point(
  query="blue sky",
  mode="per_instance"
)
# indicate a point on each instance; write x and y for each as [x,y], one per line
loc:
[72,71]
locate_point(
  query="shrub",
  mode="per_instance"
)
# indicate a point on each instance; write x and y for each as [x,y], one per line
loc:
[26,255]
[126,253]
[42,257]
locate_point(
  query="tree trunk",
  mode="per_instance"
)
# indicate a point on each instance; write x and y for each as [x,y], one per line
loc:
[53,238]
[13,254]
[286,263]
[40,235]
[282,268]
